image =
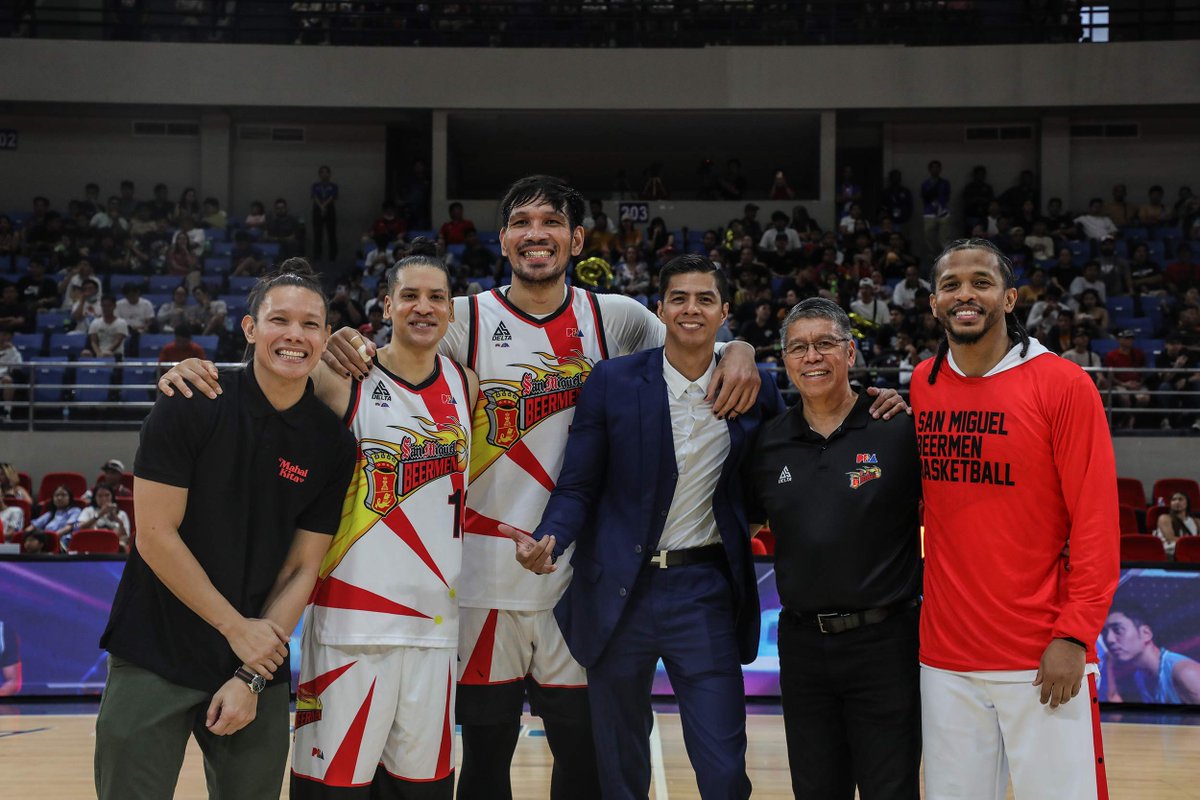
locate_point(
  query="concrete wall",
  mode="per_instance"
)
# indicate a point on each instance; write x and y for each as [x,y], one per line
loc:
[1050,76]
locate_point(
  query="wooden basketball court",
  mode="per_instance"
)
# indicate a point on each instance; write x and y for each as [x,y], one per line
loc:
[49,757]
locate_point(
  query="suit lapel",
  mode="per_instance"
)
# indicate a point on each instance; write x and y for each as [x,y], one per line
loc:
[658,448]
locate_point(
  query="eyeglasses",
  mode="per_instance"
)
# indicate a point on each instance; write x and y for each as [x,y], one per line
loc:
[822,346]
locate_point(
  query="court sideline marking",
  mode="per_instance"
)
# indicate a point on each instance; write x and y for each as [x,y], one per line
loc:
[656,761]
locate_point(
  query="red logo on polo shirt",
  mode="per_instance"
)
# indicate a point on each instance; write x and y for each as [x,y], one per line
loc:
[292,472]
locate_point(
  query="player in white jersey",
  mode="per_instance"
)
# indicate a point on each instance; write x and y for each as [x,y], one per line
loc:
[375,704]
[533,344]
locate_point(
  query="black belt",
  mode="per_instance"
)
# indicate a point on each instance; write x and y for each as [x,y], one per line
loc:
[840,622]
[691,555]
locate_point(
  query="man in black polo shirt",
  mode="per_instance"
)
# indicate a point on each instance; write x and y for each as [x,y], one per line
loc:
[236,499]
[840,490]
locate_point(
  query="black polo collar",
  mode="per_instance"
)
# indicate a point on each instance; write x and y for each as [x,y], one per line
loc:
[859,416]
[259,406]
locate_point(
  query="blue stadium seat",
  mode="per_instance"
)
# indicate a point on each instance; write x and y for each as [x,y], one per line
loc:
[164,283]
[217,265]
[49,383]
[1135,233]
[29,344]
[269,249]
[1104,346]
[149,344]
[1080,252]
[235,307]
[209,343]
[455,250]
[117,281]
[1149,346]
[137,384]
[1121,248]
[21,264]
[370,283]
[66,346]
[157,300]
[494,247]
[1166,233]
[485,282]
[1143,326]
[241,284]
[222,248]
[1157,251]
[52,321]
[93,382]
[1120,304]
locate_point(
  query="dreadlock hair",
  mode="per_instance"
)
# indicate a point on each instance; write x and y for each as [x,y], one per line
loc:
[421,253]
[292,272]
[1016,331]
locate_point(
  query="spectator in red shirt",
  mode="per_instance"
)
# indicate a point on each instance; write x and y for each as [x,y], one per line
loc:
[388,227]
[1183,273]
[455,231]
[1129,388]
[182,348]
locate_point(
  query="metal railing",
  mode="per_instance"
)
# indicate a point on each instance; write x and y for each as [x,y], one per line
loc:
[43,405]
[604,23]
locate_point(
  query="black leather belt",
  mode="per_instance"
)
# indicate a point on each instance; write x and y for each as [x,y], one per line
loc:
[691,555]
[840,622]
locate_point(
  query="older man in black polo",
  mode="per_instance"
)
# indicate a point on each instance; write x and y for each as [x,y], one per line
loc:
[840,490]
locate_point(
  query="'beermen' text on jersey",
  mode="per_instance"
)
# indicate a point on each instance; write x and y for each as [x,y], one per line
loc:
[391,575]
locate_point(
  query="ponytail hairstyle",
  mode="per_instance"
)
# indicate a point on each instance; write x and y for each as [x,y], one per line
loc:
[1016,331]
[422,252]
[292,272]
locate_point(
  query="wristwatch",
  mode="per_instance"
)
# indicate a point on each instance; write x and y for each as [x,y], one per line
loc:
[255,683]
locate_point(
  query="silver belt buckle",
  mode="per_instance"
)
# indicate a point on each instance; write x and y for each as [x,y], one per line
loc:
[821,620]
[659,558]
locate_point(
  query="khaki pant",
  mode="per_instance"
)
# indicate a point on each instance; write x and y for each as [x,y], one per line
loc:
[143,728]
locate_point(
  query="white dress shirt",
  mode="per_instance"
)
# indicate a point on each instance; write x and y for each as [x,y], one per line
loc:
[701,447]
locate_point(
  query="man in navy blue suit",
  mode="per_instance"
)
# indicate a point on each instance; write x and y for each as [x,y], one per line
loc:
[650,497]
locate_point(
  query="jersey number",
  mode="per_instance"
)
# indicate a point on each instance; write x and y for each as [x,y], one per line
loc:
[456,500]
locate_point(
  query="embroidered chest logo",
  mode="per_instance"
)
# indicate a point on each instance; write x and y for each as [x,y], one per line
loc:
[785,476]
[381,392]
[291,471]
[394,471]
[867,471]
[501,334]
[513,407]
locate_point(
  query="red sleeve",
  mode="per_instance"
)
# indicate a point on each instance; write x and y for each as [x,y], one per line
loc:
[1083,455]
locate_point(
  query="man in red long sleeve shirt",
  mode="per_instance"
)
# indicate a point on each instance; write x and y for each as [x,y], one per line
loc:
[1017,464]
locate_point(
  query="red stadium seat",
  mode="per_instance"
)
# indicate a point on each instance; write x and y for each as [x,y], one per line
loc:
[1187,550]
[52,545]
[768,539]
[26,481]
[1142,548]
[126,505]
[1130,492]
[757,547]
[95,540]
[74,481]
[1129,520]
[1152,515]
[1165,487]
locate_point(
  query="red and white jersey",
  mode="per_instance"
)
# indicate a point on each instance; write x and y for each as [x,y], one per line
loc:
[392,573]
[1015,465]
[530,373]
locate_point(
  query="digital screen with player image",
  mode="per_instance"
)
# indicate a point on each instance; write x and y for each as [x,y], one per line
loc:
[1150,646]
[54,610]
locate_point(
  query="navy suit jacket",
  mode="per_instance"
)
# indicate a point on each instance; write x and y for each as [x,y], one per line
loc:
[614,491]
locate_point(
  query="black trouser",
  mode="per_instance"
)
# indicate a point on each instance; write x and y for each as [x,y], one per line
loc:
[852,708]
[324,221]
[490,717]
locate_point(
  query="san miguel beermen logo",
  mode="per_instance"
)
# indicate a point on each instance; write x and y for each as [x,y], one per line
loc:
[514,407]
[308,707]
[394,471]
